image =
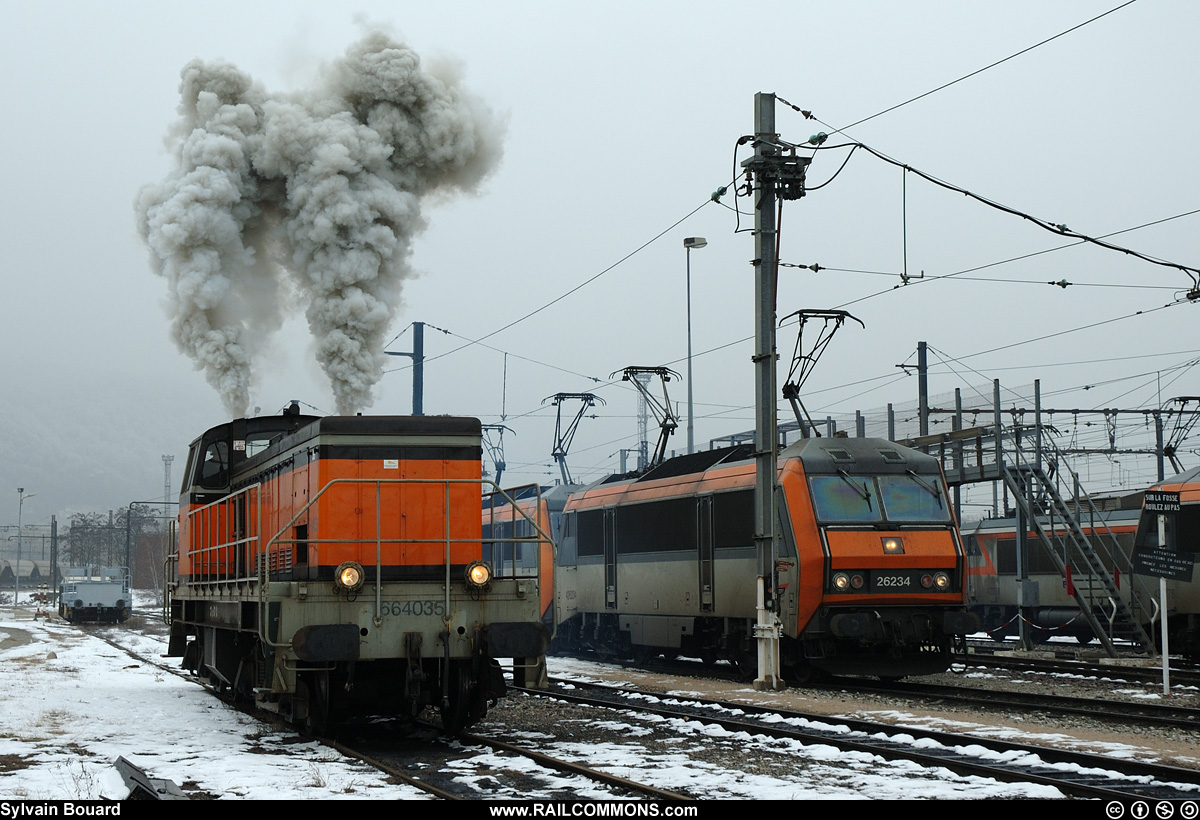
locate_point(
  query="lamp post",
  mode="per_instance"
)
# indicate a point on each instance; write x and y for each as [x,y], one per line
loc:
[21,496]
[689,243]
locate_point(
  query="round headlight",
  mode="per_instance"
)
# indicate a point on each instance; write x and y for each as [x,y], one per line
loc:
[942,581]
[479,574]
[349,576]
[841,582]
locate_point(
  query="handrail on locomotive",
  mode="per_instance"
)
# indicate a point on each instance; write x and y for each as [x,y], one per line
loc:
[213,559]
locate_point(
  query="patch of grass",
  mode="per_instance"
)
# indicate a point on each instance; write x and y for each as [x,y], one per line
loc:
[192,789]
[80,779]
[316,777]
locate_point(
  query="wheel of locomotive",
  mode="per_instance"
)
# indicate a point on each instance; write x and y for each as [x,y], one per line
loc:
[456,713]
[641,654]
[191,656]
[746,662]
[479,692]
[1038,636]
[308,708]
[800,673]
[316,717]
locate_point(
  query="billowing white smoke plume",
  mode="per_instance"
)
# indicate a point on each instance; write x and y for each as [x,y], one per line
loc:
[323,185]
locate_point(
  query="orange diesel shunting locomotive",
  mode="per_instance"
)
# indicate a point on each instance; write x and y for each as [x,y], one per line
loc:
[331,566]
[870,568]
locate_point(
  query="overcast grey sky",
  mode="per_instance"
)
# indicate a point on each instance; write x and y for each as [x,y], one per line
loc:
[621,119]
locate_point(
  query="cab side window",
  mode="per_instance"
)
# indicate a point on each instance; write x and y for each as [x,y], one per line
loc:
[214,466]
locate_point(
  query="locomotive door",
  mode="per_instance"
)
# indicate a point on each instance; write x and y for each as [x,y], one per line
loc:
[704,533]
[610,559]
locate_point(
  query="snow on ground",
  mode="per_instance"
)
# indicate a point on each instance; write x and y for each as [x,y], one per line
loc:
[73,704]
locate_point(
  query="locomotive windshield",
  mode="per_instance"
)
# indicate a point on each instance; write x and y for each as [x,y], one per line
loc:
[845,498]
[912,498]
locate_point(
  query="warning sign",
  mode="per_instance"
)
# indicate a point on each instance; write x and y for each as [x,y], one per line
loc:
[1158,560]
[1163,563]
[1161,503]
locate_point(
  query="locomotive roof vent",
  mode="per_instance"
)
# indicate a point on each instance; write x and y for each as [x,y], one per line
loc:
[838,454]
[892,456]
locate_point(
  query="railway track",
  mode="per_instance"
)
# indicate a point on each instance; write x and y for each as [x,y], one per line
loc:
[1072,773]
[1106,710]
[437,764]
[1180,674]
[1144,714]
[1116,710]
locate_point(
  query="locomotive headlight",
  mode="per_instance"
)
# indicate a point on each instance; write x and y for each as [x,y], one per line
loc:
[893,546]
[841,582]
[941,581]
[479,574]
[349,576]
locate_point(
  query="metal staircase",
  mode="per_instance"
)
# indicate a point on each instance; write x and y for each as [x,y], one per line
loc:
[1041,482]
[1088,564]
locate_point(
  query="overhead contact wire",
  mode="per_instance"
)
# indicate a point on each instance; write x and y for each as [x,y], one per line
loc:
[977,71]
[578,287]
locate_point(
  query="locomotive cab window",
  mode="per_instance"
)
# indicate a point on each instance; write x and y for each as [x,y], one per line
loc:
[845,497]
[733,519]
[257,442]
[913,497]
[214,466]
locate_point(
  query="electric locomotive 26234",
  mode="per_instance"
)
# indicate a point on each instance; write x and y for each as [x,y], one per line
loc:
[870,569]
[333,566]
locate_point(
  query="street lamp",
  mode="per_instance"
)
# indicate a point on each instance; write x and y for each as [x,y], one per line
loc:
[17,575]
[689,243]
